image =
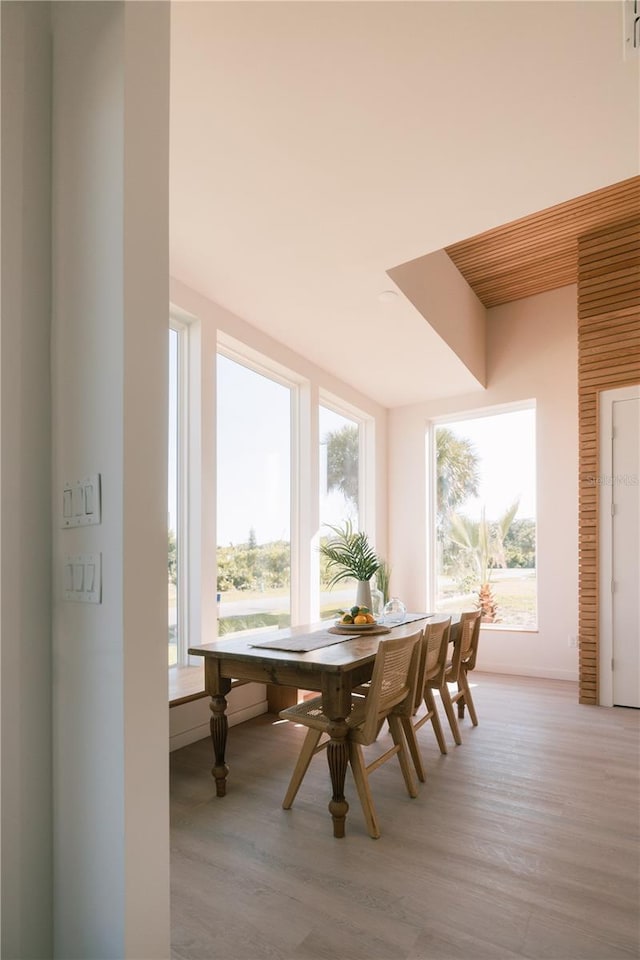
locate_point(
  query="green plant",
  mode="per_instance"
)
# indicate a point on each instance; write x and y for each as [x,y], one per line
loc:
[348,554]
[484,543]
[383,576]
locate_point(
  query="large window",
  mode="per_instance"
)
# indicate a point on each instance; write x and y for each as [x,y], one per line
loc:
[253,498]
[339,494]
[486,517]
[177,532]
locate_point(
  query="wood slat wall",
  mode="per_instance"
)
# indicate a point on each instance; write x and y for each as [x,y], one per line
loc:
[608,357]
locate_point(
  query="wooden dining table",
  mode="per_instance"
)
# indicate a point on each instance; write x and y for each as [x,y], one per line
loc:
[318,660]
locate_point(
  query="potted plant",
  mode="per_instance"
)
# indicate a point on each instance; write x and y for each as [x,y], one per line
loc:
[349,555]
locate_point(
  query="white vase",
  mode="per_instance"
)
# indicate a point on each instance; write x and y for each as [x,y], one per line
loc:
[363,593]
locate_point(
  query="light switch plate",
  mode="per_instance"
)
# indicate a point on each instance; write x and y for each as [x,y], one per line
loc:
[81,502]
[82,578]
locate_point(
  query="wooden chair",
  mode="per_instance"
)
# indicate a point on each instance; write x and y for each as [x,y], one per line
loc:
[464,653]
[392,691]
[433,664]
[468,654]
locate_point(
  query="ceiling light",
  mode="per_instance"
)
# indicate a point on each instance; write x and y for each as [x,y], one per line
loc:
[387,296]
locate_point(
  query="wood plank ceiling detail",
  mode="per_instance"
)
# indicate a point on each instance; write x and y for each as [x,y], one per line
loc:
[540,252]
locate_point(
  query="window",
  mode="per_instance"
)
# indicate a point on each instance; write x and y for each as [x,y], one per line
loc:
[485,531]
[253,498]
[176,507]
[339,494]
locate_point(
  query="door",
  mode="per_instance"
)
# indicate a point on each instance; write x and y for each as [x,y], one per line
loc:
[625,551]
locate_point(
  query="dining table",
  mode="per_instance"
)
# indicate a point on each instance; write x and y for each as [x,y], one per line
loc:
[318,657]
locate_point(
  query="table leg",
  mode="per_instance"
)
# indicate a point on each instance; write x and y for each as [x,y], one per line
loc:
[219,726]
[338,758]
[336,705]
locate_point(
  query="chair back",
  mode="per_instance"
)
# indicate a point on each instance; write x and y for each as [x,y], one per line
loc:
[393,682]
[468,656]
[465,644]
[433,656]
[469,639]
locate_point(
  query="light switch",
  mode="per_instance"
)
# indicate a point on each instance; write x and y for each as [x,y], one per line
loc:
[81,502]
[78,577]
[77,497]
[82,578]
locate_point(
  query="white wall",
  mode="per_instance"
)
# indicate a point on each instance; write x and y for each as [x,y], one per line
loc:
[531,354]
[25,483]
[109,332]
[438,290]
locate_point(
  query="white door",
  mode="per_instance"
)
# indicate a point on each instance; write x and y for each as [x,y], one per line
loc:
[625,552]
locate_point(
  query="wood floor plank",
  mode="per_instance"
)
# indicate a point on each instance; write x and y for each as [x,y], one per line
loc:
[522,843]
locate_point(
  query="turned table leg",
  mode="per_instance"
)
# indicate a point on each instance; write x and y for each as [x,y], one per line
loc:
[219,726]
[338,758]
[336,705]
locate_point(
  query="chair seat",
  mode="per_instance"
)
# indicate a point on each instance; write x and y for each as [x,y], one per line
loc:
[309,713]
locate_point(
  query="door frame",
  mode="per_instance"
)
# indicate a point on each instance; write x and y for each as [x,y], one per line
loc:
[606,400]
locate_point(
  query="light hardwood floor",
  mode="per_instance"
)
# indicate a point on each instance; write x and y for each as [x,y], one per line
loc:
[523,842]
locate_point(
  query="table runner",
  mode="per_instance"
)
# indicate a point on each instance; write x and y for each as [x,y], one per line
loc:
[323,638]
[310,641]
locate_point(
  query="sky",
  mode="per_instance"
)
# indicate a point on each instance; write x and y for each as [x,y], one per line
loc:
[508,465]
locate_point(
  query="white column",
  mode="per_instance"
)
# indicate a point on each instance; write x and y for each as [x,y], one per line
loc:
[110,356]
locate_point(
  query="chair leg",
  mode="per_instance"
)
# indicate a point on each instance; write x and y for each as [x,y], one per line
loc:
[398,738]
[301,767]
[463,685]
[356,759]
[430,704]
[414,749]
[450,712]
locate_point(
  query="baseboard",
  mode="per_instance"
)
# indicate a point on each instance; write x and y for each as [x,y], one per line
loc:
[542,674]
[195,721]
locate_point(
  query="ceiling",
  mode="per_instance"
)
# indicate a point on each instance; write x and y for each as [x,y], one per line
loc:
[317,145]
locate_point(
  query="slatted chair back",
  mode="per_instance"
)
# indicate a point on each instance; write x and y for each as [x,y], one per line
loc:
[433,656]
[463,643]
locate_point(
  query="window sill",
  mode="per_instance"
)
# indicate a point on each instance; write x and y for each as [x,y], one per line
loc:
[186,684]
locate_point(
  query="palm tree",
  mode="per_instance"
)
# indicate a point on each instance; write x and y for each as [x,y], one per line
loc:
[457,472]
[484,542]
[343,448]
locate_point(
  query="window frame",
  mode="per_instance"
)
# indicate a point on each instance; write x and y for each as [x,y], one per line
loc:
[259,363]
[431,495]
[183,620]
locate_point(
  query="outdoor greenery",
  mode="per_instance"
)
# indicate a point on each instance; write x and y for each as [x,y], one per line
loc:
[343,450]
[253,566]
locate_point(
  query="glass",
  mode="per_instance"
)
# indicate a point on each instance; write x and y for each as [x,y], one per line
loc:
[486,517]
[174,538]
[339,495]
[253,499]
[394,611]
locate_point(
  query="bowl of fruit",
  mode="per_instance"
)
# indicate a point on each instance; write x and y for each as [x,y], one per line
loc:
[356,619]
